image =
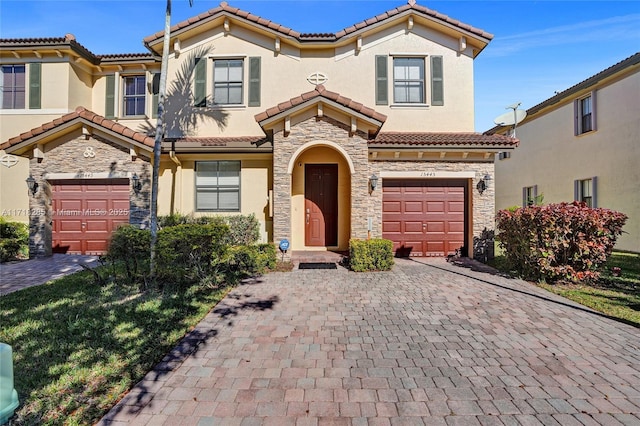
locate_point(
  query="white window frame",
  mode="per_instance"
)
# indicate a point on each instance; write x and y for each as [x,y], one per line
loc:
[124,96]
[217,188]
[422,80]
[586,190]
[227,83]
[579,116]
[25,94]
[529,195]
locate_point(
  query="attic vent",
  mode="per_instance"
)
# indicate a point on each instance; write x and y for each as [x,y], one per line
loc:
[317,78]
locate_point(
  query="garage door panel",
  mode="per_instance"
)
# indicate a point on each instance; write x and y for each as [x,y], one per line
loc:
[70,225]
[413,206]
[101,206]
[435,206]
[424,217]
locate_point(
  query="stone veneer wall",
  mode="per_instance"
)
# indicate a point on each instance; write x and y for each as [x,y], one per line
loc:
[67,155]
[322,129]
[483,205]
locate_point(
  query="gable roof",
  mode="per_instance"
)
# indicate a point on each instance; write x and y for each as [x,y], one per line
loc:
[80,115]
[226,10]
[440,139]
[312,96]
[625,64]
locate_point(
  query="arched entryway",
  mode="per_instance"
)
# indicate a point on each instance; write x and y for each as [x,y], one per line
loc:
[320,197]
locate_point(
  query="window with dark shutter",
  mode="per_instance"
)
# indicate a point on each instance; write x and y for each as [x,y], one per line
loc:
[110,96]
[254,82]
[382,78]
[155,93]
[437,81]
[200,83]
[35,77]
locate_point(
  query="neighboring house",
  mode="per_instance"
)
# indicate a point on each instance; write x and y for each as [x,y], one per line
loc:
[582,144]
[367,132]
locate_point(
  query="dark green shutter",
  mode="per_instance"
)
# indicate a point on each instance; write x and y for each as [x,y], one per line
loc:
[437,81]
[200,83]
[382,85]
[110,96]
[35,73]
[254,82]
[155,92]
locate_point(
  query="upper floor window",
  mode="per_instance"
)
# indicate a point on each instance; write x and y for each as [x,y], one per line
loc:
[134,95]
[585,114]
[228,81]
[12,86]
[218,186]
[585,191]
[408,80]
[415,80]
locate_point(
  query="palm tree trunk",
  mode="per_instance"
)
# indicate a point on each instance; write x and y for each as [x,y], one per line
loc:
[158,142]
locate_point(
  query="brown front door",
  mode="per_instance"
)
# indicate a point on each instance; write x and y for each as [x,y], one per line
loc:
[321,205]
[424,217]
[86,212]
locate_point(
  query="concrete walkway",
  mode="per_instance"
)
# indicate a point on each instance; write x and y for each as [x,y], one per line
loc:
[428,343]
[15,276]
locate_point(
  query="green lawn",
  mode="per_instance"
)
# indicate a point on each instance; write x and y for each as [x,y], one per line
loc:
[79,347]
[616,296]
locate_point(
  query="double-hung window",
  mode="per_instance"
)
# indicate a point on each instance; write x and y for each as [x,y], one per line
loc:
[12,86]
[585,114]
[134,95]
[218,186]
[585,191]
[228,81]
[408,81]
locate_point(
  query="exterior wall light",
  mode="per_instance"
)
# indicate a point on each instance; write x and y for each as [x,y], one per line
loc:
[137,184]
[32,184]
[483,184]
[373,182]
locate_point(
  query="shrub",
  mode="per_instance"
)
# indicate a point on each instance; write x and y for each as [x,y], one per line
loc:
[243,229]
[565,241]
[370,255]
[129,246]
[249,260]
[188,253]
[14,239]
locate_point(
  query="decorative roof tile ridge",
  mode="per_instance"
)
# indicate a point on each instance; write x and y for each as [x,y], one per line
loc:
[86,114]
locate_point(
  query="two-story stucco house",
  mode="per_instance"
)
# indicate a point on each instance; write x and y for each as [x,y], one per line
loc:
[367,132]
[581,144]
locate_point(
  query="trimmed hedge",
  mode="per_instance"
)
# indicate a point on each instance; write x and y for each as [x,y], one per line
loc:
[370,255]
[243,229]
[565,241]
[14,239]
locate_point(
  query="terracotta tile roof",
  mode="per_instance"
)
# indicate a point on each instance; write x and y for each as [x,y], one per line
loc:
[68,39]
[80,112]
[125,56]
[321,91]
[443,139]
[310,37]
[220,141]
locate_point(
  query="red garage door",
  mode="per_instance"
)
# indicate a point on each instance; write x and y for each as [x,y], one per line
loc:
[86,212]
[424,217]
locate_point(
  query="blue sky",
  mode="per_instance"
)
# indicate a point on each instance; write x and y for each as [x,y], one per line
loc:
[539,47]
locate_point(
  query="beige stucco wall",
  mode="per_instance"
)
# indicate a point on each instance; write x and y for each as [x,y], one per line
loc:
[350,73]
[177,187]
[551,157]
[14,196]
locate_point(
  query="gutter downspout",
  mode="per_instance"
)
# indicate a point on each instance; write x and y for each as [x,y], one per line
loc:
[175,159]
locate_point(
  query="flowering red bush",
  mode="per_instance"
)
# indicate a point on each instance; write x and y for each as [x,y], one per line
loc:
[565,241]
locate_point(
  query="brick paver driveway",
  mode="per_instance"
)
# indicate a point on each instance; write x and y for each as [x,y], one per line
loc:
[418,345]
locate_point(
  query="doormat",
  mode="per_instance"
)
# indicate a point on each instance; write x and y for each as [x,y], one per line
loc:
[317,265]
